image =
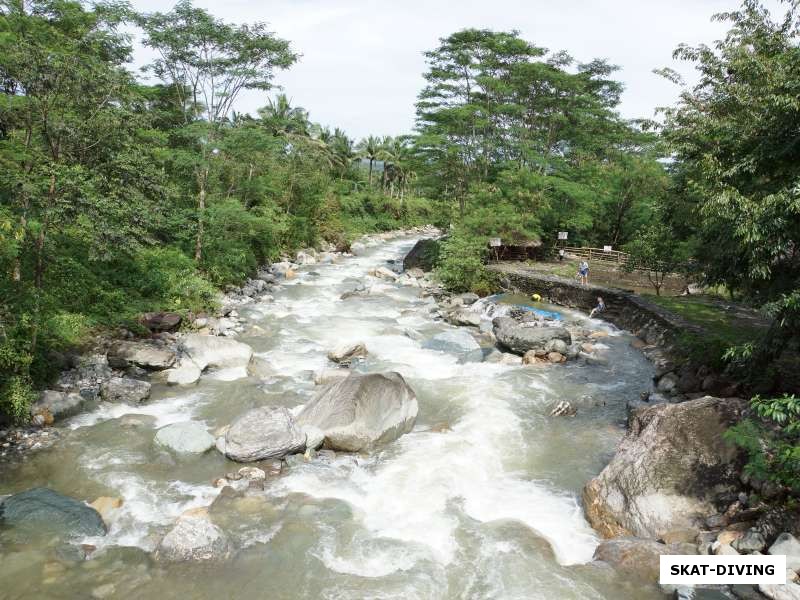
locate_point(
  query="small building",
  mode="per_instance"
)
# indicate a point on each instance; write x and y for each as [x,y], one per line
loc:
[520,249]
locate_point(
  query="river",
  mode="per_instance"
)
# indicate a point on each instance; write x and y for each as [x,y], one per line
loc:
[481,500]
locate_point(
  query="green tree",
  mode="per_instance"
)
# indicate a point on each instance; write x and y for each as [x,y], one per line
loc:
[370,149]
[656,250]
[209,63]
[734,139]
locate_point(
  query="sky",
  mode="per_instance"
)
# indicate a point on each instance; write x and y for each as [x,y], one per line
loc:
[362,61]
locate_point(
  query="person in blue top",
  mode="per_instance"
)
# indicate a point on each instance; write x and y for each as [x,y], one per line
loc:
[601,307]
[583,272]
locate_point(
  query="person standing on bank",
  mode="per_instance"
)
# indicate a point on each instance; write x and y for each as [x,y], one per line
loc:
[583,271]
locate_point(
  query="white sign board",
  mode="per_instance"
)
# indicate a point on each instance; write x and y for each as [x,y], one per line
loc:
[606,248]
[562,235]
[495,242]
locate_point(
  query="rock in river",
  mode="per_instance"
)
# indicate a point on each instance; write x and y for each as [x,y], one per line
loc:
[456,341]
[261,433]
[362,411]
[58,405]
[193,538]
[638,557]
[188,437]
[521,338]
[347,353]
[42,509]
[148,356]
[667,469]
[123,389]
[217,352]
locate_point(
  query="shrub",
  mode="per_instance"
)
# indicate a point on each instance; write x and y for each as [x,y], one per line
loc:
[771,439]
[461,267]
[16,391]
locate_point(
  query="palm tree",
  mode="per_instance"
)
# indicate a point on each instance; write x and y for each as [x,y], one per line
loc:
[396,154]
[281,118]
[343,151]
[370,148]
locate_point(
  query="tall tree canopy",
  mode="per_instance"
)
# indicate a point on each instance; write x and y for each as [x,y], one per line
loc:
[736,145]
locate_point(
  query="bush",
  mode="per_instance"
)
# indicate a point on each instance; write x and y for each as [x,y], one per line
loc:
[771,439]
[461,267]
[16,390]
[168,280]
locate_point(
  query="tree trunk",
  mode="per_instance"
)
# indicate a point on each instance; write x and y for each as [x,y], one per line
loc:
[370,173]
[201,209]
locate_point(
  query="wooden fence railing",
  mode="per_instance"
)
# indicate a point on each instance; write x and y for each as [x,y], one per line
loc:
[612,256]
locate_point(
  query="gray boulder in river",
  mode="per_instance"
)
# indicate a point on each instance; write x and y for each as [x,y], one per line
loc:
[667,471]
[217,352]
[521,338]
[58,404]
[456,341]
[188,437]
[362,411]
[261,433]
[124,389]
[45,510]
[638,557]
[193,538]
[142,354]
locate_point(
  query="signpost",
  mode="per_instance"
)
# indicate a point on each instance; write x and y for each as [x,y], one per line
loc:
[606,248]
[563,235]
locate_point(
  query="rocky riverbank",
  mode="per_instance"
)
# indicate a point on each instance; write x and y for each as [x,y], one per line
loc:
[120,366]
[675,484]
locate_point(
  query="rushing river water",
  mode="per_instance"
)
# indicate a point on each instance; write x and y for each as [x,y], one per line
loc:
[481,500]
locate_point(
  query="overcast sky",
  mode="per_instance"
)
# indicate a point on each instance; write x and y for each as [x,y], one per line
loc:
[361,65]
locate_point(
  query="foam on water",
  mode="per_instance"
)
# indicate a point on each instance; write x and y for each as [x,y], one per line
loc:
[166,411]
[413,502]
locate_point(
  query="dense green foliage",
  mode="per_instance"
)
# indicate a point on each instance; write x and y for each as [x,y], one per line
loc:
[771,439]
[523,143]
[656,251]
[118,197]
[737,202]
[734,138]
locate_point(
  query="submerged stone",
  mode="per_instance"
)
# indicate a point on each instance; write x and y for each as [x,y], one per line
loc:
[45,510]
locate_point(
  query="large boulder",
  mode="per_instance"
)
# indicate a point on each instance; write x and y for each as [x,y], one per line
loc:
[638,557]
[362,411]
[160,321]
[184,373]
[53,404]
[668,469]
[124,389]
[522,337]
[424,255]
[456,341]
[464,316]
[44,510]
[193,538]
[789,546]
[262,433]
[188,437]
[216,352]
[141,354]
[325,376]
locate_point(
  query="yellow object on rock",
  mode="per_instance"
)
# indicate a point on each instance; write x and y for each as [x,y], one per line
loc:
[536,297]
